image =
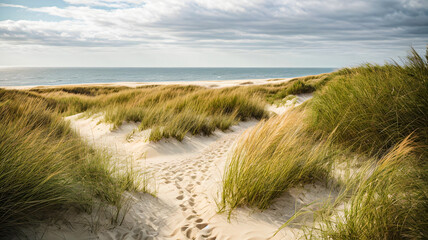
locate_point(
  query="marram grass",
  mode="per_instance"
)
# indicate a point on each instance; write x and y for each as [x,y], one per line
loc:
[174,111]
[379,113]
[386,199]
[374,107]
[272,157]
[45,167]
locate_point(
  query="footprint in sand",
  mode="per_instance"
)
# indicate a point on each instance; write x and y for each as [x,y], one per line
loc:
[191,202]
[184,228]
[190,217]
[189,233]
[201,226]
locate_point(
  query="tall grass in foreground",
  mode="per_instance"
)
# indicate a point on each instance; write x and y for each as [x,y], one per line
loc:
[387,199]
[374,107]
[371,110]
[272,157]
[45,167]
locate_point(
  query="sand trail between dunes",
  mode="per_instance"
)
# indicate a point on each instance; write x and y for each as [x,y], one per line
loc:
[188,177]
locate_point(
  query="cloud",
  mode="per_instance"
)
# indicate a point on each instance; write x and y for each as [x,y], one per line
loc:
[230,24]
[105,3]
[12,5]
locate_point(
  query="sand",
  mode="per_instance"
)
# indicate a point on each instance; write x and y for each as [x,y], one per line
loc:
[207,84]
[299,99]
[187,186]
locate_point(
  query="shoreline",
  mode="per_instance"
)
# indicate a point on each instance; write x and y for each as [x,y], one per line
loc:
[202,83]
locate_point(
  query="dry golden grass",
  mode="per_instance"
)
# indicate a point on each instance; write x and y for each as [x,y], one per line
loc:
[272,157]
[45,167]
[379,112]
[174,111]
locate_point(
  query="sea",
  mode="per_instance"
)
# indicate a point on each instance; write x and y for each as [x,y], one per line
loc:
[18,76]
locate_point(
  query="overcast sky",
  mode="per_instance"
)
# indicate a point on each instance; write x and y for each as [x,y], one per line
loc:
[209,33]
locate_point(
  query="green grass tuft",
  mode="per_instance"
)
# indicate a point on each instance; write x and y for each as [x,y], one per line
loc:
[272,157]
[365,113]
[374,107]
[45,167]
[386,199]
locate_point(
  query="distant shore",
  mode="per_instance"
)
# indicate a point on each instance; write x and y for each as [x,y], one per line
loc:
[11,77]
[204,83]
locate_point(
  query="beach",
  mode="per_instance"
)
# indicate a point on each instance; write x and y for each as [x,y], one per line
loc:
[236,159]
[207,84]
[187,180]
[213,120]
[187,186]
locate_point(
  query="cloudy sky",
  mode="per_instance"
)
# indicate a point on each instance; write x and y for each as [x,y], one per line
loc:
[209,33]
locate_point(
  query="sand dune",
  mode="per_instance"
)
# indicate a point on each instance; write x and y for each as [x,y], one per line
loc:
[188,183]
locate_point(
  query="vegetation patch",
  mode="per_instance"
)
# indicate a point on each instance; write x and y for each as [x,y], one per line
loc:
[375,114]
[272,157]
[174,111]
[375,107]
[45,167]
[386,199]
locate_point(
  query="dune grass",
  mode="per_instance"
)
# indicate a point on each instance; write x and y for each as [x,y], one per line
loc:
[171,111]
[374,107]
[46,168]
[386,199]
[272,157]
[370,111]
[378,111]
[174,111]
[297,87]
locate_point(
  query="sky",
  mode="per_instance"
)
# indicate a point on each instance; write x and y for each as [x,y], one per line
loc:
[209,33]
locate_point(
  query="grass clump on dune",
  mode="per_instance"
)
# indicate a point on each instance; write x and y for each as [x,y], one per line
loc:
[370,110]
[170,111]
[45,167]
[296,87]
[374,107]
[197,112]
[271,158]
[386,199]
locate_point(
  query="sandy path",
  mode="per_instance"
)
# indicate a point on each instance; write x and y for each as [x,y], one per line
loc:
[188,178]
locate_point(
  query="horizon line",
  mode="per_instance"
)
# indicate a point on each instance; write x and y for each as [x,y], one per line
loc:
[148,67]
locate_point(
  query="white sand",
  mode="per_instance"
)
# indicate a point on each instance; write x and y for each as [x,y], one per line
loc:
[208,84]
[188,185]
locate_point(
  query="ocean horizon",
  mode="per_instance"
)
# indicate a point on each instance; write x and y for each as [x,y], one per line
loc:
[36,76]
